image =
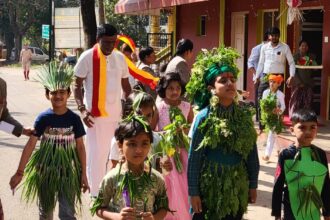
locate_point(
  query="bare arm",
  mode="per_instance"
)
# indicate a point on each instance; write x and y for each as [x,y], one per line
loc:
[127,213]
[190,117]
[28,149]
[77,90]
[78,96]
[82,158]
[81,154]
[126,87]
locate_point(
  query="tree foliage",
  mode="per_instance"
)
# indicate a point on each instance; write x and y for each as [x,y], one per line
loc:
[131,25]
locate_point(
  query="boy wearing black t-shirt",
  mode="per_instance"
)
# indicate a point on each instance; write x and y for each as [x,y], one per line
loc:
[56,171]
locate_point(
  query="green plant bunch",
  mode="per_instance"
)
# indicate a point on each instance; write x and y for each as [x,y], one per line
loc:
[174,137]
[196,88]
[271,121]
[229,129]
[53,170]
[55,76]
[223,194]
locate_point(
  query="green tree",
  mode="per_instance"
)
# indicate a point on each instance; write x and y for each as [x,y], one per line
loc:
[19,16]
[131,25]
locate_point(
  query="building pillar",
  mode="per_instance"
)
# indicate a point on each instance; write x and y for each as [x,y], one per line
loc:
[154,28]
[171,27]
[222,22]
[283,21]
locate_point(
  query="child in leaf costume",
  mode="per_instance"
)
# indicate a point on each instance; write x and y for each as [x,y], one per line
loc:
[175,116]
[57,170]
[133,189]
[272,107]
[223,163]
[302,174]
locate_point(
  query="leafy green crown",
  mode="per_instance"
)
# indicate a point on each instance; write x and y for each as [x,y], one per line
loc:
[197,88]
[55,76]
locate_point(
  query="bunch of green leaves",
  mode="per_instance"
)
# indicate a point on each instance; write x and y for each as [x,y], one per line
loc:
[53,170]
[129,183]
[55,76]
[271,121]
[174,137]
[230,129]
[309,197]
[224,189]
[196,87]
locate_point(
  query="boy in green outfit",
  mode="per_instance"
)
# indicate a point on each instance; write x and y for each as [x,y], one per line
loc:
[302,181]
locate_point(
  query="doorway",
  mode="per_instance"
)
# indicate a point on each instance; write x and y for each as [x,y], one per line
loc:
[312,32]
[238,39]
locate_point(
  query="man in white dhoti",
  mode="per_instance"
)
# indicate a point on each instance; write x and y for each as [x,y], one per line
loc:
[105,75]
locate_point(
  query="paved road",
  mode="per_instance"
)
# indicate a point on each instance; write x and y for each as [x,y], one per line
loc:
[27,99]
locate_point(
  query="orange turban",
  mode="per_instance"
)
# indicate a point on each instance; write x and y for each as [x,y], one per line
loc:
[276,78]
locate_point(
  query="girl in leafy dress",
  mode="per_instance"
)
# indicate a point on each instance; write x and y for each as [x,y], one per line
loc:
[132,190]
[223,163]
[172,110]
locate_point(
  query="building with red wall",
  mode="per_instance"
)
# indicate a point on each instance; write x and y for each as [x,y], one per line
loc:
[240,24]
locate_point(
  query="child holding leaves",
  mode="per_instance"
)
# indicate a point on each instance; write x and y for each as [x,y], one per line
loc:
[272,107]
[175,116]
[132,190]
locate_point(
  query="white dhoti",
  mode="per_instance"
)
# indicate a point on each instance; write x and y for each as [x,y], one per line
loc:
[98,139]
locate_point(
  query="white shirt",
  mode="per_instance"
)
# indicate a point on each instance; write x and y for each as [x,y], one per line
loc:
[254,58]
[117,69]
[114,150]
[272,59]
[279,96]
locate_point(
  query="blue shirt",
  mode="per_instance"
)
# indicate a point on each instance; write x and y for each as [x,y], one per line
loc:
[196,158]
[68,123]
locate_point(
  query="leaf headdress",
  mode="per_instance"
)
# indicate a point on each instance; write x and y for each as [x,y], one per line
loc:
[209,64]
[56,76]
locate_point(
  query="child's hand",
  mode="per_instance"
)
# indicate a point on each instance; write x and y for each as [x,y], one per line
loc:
[196,204]
[147,216]
[84,183]
[15,180]
[166,164]
[252,195]
[326,217]
[127,213]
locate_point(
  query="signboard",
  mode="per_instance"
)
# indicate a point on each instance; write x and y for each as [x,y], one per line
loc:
[69,32]
[45,31]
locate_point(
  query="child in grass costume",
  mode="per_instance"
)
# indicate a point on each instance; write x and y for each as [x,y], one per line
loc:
[302,181]
[132,190]
[272,107]
[223,163]
[57,170]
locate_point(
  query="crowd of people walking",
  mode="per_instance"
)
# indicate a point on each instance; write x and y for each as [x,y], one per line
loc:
[185,150]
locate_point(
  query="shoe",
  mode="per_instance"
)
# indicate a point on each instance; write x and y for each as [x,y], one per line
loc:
[265,158]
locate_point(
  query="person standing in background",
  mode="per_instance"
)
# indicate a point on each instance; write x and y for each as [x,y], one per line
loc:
[273,57]
[302,89]
[104,73]
[25,58]
[253,66]
[179,62]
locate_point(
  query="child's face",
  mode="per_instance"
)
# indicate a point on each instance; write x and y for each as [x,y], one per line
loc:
[273,86]
[59,98]
[173,91]
[147,112]
[305,132]
[136,149]
[225,86]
